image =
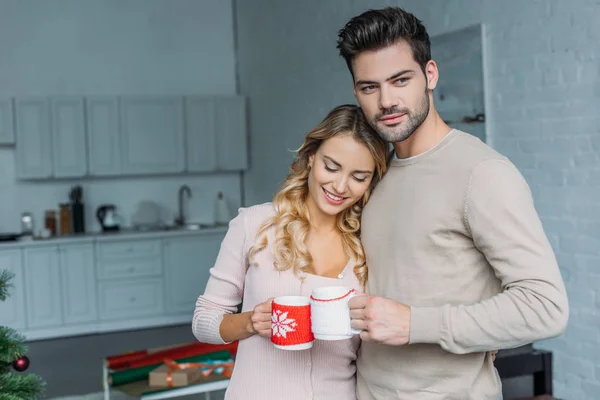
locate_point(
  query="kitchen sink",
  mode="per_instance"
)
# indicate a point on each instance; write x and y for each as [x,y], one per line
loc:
[192,227]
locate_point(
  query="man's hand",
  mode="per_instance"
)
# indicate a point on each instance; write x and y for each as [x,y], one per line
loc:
[382,320]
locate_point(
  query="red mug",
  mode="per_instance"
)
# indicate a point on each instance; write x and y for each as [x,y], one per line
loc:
[290,323]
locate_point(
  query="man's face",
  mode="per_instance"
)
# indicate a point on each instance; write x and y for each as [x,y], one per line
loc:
[392,90]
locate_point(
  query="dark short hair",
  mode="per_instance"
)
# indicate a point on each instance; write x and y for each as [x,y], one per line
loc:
[377,29]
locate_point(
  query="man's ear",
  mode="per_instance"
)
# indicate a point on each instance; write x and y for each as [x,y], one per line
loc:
[431,74]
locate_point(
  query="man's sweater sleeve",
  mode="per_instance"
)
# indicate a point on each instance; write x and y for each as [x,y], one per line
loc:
[500,214]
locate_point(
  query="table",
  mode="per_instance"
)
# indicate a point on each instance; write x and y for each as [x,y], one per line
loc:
[537,363]
[205,388]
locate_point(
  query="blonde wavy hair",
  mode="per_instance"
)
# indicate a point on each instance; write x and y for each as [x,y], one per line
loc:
[291,219]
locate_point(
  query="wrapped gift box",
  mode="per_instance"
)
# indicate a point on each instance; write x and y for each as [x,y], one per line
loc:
[180,377]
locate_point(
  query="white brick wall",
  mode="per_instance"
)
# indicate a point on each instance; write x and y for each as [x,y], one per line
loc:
[545,85]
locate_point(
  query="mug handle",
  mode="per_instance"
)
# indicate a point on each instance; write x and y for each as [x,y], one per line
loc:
[354,331]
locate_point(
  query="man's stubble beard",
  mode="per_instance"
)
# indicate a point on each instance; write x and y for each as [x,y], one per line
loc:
[404,129]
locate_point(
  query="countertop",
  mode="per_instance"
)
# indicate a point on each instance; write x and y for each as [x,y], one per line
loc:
[123,234]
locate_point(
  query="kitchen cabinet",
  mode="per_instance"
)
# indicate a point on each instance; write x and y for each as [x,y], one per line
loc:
[201,134]
[12,310]
[73,136]
[50,137]
[131,299]
[103,135]
[33,141]
[68,287]
[130,279]
[187,261]
[60,285]
[216,133]
[7,132]
[128,259]
[68,137]
[152,139]
[42,287]
[232,154]
[78,283]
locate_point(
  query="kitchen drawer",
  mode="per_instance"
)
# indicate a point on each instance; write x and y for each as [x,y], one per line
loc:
[119,269]
[128,249]
[131,299]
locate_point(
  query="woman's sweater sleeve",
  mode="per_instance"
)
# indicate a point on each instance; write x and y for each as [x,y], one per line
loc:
[225,287]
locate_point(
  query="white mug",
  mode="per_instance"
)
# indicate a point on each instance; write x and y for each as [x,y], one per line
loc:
[330,313]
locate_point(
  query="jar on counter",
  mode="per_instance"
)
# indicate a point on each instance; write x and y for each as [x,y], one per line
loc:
[50,222]
[65,219]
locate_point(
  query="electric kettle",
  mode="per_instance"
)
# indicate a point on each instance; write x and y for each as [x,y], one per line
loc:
[108,217]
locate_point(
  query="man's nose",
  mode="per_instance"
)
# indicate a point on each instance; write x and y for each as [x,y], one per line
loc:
[386,99]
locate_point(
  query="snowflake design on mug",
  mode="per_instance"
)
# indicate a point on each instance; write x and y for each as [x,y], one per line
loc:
[281,324]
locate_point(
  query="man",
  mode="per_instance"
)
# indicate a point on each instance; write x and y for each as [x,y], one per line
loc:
[459,264]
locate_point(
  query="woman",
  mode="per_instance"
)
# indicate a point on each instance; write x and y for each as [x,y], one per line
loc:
[308,237]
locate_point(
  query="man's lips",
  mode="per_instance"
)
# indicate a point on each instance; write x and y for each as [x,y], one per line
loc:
[392,119]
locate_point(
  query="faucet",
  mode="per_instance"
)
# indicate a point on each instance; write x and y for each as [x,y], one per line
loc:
[180,220]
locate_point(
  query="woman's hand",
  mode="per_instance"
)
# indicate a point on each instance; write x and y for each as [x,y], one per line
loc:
[260,319]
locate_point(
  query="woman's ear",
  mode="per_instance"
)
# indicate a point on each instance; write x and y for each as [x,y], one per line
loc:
[311,160]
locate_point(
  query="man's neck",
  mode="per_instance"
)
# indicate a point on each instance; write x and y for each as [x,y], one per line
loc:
[431,132]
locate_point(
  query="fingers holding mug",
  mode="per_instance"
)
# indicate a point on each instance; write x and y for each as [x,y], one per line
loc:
[261,318]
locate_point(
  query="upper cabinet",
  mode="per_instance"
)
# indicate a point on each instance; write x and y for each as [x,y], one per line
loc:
[201,134]
[152,134]
[216,133]
[50,138]
[104,149]
[7,131]
[68,136]
[34,143]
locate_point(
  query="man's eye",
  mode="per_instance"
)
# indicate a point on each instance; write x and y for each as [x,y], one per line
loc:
[368,89]
[402,81]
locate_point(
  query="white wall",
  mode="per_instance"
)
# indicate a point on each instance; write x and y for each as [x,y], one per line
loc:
[545,93]
[86,47]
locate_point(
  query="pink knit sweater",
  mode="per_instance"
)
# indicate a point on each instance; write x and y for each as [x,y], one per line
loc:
[324,372]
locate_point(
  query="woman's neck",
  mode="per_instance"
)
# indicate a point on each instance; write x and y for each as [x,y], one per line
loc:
[320,223]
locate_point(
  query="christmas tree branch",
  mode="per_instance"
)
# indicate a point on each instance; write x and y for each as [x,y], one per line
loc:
[20,387]
[5,278]
[11,346]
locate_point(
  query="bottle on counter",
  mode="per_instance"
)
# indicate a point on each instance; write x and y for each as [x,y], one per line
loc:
[222,215]
[50,222]
[66,224]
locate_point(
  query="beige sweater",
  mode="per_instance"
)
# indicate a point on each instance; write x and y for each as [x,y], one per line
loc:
[454,234]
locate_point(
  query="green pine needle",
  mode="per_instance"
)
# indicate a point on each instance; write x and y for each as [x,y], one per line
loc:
[11,345]
[15,386]
[5,278]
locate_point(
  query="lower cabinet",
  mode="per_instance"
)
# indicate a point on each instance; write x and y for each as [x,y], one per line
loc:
[60,285]
[42,287]
[131,299]
[187,262]
[102,286]
[78,283]
[12,309]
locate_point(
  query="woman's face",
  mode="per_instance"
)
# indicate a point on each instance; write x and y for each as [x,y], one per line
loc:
[340,174]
